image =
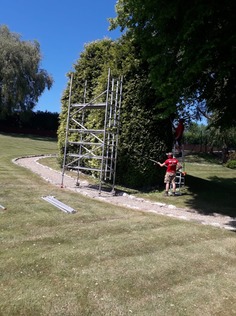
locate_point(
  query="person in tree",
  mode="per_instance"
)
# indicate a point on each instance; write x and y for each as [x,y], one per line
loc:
[172,165]
[178,135]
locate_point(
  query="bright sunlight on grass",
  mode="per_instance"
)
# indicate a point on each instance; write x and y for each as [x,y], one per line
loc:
[104,260]
[209,188]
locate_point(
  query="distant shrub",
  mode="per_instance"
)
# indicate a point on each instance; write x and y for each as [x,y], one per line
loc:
[231,164]
[232,156]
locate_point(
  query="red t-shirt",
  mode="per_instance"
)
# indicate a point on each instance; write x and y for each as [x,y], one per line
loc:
[171,164]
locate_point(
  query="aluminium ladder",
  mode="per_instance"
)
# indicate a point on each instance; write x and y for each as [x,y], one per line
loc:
[180,177]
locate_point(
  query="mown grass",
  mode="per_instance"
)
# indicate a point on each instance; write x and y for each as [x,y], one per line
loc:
[103,260]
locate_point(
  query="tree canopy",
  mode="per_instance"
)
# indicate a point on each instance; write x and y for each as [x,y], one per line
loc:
[190,47]
[22,80]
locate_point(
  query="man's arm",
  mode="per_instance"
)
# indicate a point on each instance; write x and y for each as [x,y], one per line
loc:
[161,164]
[178,167]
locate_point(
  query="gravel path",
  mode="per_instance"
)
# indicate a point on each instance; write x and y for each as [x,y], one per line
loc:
[124,199]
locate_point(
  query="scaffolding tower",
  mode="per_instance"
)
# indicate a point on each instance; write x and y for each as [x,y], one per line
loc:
[94,149]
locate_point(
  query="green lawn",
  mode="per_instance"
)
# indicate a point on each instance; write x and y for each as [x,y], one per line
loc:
[209,188]
[104,260]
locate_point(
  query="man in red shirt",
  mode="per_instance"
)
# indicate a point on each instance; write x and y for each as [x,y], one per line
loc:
[179,134]
[172,165]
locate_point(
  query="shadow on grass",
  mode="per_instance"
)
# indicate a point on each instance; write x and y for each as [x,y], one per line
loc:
[108,189]
[31,136]
[216,195]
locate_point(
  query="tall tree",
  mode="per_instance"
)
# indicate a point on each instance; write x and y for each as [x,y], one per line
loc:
[142,135]
[22,80]
[191,50]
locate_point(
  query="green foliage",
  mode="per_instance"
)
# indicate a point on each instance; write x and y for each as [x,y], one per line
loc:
[22,80]
[231,164]
[90,70]
[190,48]
[223,139]
[195,134]
[143,134]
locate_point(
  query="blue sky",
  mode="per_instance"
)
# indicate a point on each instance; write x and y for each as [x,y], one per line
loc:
[62,28]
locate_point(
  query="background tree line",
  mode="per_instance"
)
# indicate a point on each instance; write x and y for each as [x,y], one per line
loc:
[202,138]
[31,122]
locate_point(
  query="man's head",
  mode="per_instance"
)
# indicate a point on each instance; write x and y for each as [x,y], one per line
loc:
[169,155]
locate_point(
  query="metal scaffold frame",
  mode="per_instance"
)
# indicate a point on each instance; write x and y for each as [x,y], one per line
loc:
[94,149]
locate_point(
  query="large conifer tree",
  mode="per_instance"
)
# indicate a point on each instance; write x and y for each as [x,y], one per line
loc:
[142,135]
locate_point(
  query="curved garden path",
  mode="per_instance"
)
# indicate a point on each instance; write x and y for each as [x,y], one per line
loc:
[124,199]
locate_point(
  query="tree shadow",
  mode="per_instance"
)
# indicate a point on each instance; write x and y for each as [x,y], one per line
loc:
[30,136]
[215,195]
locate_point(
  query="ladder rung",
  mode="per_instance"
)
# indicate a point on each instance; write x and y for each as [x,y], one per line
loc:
[87,131]
[85,143]
[85,157]
[89,105]
[85,168]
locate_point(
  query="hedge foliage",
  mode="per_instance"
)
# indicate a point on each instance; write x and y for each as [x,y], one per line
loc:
[143,133]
